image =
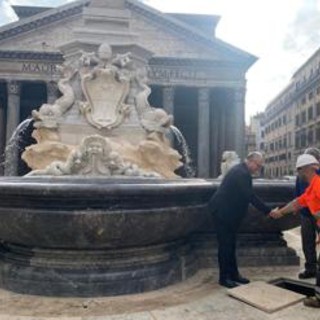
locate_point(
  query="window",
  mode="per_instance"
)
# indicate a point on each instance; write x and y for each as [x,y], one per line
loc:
[290,139]
[285,142]
[284,119]
[272,146]
[318,90]
[310,136]
[318,133]
[297,140]
[297,120]
[303,117]
[310,95]
[310,113]
[318,109]
[303,138]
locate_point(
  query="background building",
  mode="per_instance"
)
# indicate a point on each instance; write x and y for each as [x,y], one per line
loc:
[292,119]
[193,75]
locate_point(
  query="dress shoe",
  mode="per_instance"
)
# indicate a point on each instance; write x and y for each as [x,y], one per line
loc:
[241,280]
[311,302]
[228,283]
[307,274]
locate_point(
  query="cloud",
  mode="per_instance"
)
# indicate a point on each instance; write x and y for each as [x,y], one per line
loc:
[6,13]
[304,32]
[40,3]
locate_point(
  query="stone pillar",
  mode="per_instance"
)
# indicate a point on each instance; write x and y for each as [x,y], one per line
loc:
[168,99]
[2,138]
[215,136]
[52,92]
[204,132]
[13,110]
[239,121]
[13,119]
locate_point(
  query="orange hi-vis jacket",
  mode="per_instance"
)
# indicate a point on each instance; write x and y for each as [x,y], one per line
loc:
[311,198]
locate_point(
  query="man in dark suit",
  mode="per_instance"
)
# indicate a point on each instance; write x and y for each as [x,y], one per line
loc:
[229,206]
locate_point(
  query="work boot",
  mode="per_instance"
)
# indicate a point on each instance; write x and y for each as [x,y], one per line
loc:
[306,274]
[311,302]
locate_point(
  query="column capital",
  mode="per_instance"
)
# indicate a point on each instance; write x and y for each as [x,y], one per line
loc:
[239,93]
[168,91]
[204,95]
[52,91]
[168,98]
[52,87]
[14,87]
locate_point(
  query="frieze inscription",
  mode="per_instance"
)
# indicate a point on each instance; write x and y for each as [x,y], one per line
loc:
[40,68]
[175,73]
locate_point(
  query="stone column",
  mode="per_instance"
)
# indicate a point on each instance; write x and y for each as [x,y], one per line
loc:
[13,110]
[204,132]
[52,92]
[239,121]
[168,99]
[2,137]
[13,119]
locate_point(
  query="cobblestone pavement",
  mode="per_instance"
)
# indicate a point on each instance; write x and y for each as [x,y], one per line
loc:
[199,298]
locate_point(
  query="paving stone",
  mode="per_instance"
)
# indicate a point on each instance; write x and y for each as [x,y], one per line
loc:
[266,297]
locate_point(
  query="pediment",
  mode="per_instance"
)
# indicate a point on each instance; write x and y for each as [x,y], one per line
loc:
[46,38]
[163,34]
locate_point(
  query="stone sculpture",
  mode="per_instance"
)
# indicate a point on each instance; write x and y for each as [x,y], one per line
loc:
[229,159]
[105,102]
[49,114]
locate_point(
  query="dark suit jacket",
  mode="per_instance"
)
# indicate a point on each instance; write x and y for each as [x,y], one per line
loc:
[230,202]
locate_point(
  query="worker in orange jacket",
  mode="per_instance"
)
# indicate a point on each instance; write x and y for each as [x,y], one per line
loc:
[307,166]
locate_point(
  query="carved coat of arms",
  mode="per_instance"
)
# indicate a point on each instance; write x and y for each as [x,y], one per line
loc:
[105,98]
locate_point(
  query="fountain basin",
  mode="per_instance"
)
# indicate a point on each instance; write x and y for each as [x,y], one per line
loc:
[99,213]
[97,236]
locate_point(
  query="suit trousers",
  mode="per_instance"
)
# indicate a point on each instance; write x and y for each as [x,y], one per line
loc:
[227,238]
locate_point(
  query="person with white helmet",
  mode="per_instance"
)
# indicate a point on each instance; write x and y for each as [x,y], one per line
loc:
[308,226]
[307,166]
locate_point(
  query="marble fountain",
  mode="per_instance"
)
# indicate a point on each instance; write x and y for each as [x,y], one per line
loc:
[102,211]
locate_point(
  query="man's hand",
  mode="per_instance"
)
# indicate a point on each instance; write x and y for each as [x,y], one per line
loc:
[318,239]
[275,213]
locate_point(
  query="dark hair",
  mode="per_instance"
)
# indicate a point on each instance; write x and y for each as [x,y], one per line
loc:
[314,152]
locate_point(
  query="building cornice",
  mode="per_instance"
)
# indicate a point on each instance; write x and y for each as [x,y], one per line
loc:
[30,56]
[191,62]
[41,19]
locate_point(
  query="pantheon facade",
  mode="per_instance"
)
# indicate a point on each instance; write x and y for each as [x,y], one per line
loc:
[193,75]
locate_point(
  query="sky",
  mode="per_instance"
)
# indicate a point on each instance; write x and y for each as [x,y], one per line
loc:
[283,34]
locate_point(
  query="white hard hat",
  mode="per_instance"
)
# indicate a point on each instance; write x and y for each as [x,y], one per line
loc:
[306,160]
